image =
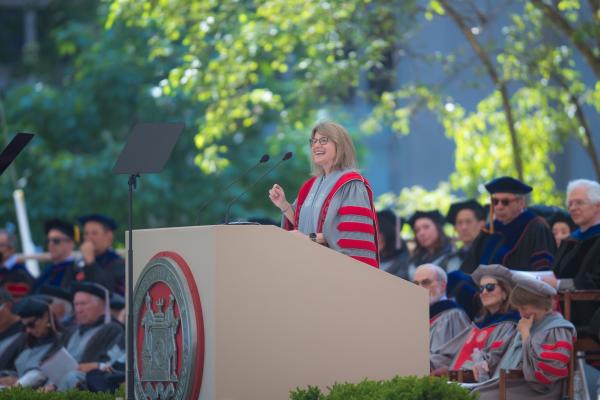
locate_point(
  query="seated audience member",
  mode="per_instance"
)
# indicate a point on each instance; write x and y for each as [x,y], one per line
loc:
[516,237]
[14,276]
[541,349]
[577,262]
[12,333]
[432,243]
[43,339]
[393,252]
[493,330]
[101,264]
[60,239]
[94,334]
[446,318]
[468,219]
[562,226]
[61,304]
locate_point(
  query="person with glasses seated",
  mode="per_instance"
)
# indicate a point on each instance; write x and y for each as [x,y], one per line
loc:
[335,207]
[446,318]
[515,237]
[43,340]
[60,239]
[482,346]
[542,346]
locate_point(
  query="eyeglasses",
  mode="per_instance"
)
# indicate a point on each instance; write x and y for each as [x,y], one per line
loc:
[56,240]
[31,324]
[423,283]
[577,203]
[504,202]
[490,287]
[322,141]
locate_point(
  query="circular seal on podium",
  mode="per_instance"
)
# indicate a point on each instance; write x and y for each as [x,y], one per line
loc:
[169,330]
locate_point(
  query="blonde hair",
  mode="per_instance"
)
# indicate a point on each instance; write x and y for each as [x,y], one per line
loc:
[345,155]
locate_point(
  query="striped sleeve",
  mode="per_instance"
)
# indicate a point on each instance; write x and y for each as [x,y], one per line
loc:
[350,226]
[546,358]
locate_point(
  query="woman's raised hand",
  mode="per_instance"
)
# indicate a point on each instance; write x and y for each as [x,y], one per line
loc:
[277,196]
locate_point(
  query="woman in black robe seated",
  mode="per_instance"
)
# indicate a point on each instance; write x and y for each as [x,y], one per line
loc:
[43,339]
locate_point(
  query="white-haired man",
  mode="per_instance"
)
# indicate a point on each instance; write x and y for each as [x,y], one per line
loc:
[446,318]
[577,262]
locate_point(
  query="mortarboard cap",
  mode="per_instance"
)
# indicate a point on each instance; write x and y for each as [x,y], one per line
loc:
[434,215]
[56,291]
[108,222]
[462,205]
[92,288]
[506,184]
[496,271]
[117,302]
[60,225]
[31,306]
[562,216]
[533,285]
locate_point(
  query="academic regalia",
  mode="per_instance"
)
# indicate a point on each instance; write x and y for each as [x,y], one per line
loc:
[108,381]
[89,343]
[491,335]
[12,342]
[577,265]
[446,321]
[60,274]
[544,358]
[339,205]
[36,349]
[108,269]
[526,243]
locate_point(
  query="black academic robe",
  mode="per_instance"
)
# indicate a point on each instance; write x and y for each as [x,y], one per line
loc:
[96,347]
[108,269]
[526,243]
[578,260]
[12,342]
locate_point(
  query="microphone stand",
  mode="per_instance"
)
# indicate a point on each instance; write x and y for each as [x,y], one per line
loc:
[262,160]
[286,157]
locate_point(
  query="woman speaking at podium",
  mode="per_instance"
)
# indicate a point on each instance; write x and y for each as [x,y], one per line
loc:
[335,206]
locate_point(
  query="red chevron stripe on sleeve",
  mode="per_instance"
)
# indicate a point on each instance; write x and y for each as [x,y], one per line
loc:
[561,343]
[553,355]
[542,378]
[560,372]
[367,260]
[357,244]
[355,210]
[356,227]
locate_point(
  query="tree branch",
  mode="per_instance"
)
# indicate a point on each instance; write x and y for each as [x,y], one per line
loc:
[499,83]
[588,143]
[559,21]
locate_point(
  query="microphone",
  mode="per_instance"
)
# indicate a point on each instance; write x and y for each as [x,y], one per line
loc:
[286,157]
[263,159]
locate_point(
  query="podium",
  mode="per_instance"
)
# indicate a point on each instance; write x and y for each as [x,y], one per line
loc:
[266,311]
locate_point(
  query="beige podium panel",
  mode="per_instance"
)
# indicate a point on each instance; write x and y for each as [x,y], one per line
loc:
[282,312]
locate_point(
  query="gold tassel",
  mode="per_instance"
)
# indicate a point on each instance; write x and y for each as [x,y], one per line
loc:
[491,217]
[76,234]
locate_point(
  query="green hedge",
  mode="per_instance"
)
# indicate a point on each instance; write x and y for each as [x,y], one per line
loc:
[398,388]
[29,394]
